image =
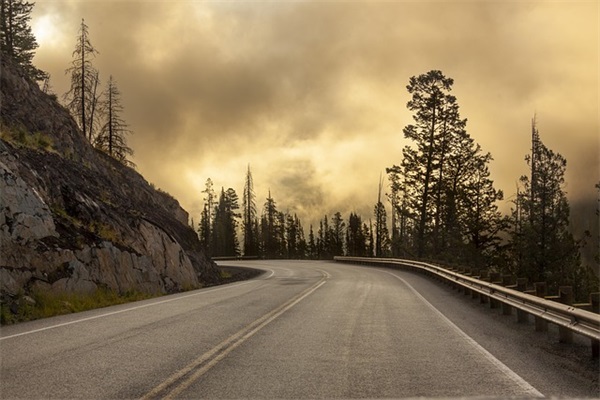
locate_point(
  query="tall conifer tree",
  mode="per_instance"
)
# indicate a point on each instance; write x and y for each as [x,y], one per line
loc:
[206,219]
[112,137]
[542,244]
[224,240]
[249,216]
[16,38]
[382,237]
[442,191]
[436,118]
[80,98]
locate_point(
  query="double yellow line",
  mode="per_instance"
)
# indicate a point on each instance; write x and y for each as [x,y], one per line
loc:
[185,377]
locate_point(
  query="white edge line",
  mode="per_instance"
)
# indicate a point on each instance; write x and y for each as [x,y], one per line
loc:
[512,375]
[208,290]
[270,275]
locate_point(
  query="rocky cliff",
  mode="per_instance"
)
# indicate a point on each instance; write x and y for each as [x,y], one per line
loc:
[74,219]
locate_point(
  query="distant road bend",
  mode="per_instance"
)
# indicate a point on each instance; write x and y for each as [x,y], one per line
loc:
[300,330]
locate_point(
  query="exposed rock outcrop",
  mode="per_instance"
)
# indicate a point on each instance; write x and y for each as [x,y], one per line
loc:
[74,219]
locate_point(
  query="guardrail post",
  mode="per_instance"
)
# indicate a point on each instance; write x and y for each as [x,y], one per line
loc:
[495,279]
[522,316]
[595,302]
[507,281]
[595,305]
[566,297]
[466,290]
[483,298]
[475,274]
[541,325]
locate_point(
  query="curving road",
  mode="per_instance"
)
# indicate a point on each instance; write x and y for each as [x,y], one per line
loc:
[300,330]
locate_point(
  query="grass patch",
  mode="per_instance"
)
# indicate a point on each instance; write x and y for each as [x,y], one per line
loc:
[225,274]
[42,304]
[19,136]
[104,231]
[62,213]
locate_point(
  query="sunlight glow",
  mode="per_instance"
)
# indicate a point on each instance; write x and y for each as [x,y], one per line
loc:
[45,31]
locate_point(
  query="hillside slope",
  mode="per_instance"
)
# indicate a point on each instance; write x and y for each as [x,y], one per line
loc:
[74,219]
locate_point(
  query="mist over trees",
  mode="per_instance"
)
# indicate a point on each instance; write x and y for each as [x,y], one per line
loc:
[274,234]
[443,206]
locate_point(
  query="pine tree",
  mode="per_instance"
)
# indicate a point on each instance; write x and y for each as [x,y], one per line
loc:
[81,98]
[224,240]
[249,216]
[111,138]
[206,219]
[356,242]
[313,253]
[436,118]
[443,201]
[382,237]
[338,227]
[368,229]
[47,86]
[542,246]
[280,239]
[16,38]
[321,241]
[404,221]
[270,229]
[302,246]
[291,236]
[325,239]
[480,219]
[232,224]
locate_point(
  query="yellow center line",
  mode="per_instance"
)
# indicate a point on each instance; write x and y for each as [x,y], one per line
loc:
[178,382]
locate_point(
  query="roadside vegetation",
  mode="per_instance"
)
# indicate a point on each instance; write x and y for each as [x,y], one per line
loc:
[20,137]
[43,304]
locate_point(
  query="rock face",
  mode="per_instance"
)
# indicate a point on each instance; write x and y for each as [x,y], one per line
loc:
[74,219]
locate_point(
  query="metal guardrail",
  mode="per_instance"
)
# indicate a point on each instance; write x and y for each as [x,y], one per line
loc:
[579,321]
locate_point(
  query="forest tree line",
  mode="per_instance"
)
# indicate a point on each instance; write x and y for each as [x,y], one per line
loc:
[443,207]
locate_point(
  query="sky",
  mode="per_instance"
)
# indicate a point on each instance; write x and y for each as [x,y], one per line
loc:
[312,94]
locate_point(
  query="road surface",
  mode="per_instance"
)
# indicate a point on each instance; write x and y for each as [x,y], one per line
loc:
[300,330]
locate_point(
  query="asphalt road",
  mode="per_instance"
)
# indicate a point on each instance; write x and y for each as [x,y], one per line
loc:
[300,330]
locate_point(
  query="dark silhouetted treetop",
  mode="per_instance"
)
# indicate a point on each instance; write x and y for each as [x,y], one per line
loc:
[542,246]
[16,38]
[82,97]
[249,218]
[443,202]
[112,136]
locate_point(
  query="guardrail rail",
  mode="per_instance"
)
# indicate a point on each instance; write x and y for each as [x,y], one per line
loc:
[568,318]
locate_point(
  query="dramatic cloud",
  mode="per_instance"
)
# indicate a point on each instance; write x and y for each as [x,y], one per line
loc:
[313,94]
